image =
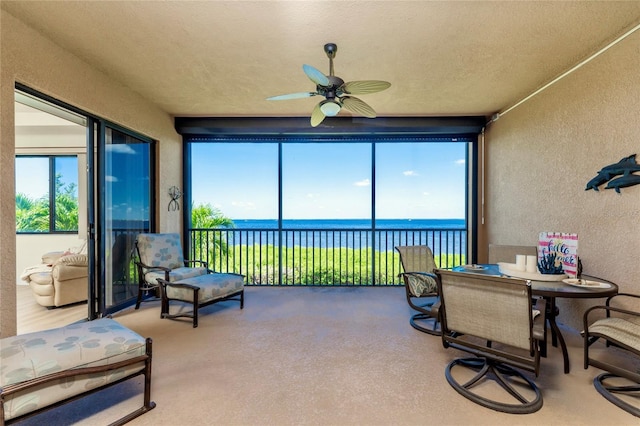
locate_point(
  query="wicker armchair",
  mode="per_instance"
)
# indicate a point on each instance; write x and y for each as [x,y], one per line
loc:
[492,318]
[420,286]
[620,327]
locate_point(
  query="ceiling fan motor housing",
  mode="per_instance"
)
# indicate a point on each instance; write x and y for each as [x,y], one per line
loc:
[331,91]
[330,49]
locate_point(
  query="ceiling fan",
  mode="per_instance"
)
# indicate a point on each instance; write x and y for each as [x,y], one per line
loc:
[335,91]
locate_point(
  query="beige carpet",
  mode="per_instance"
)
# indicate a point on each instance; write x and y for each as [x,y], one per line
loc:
[319,356]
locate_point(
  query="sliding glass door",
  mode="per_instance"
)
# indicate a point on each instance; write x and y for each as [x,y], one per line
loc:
[125,210]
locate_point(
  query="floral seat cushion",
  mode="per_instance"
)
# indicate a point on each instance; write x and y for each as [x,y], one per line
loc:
[177,274]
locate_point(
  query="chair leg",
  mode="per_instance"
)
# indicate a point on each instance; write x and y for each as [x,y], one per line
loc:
[608,392]
[491,370]
[433,324]
[139,299]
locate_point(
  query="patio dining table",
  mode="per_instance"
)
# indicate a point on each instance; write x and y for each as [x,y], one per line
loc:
[550,291]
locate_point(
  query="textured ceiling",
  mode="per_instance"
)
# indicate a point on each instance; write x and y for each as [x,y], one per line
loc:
[223,58]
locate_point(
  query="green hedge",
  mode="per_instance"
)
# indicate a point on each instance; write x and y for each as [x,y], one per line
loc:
[314,266]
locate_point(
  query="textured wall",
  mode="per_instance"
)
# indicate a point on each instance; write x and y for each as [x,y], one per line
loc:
[28,58]
[541,155]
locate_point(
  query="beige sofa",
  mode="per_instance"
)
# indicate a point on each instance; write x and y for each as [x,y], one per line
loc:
[59,280]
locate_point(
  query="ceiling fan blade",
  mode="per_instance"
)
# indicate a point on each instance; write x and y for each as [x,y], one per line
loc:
[357,106]
[298,95]
[364,87]
[315,75]
[317,116]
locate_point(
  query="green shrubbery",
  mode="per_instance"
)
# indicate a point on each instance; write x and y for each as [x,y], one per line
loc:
[261,265]
[315,266]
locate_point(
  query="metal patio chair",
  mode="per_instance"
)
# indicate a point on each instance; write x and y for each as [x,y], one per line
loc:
[420,287]
[160,256]
[620,328]
[492,318]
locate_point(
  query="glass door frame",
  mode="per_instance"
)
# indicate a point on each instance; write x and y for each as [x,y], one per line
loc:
[96,204]
[100,217]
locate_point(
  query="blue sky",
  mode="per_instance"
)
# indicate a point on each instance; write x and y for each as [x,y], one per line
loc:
[127,179]
[331,180]
[320,180]
[32,174]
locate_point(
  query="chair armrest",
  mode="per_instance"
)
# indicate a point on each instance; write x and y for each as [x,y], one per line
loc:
[425,274]
[196,262]
[539,320]
[619,296]
[143,269]
[608,310]
[149,268]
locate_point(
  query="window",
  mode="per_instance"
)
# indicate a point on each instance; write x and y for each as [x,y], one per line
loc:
[46,194]
[327,181]
[234,180]
[329,212]
[421,180]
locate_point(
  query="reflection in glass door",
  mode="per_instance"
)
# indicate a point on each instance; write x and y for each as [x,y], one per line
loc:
[127,210]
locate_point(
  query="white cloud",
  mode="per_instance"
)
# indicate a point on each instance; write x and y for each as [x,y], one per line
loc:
[410,173]
[461,162]
[119,149]
[247,205]
[110,178]
[363,182]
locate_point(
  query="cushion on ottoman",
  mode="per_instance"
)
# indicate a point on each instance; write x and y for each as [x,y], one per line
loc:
[212,286]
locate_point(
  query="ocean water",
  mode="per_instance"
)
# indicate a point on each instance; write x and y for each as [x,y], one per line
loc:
[442,235]
[350,223]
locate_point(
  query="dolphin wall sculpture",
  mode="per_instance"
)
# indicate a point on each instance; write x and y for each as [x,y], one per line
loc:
[621,182]
[625,167]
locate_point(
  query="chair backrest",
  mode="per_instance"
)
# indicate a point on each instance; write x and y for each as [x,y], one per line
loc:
[492,308]
[416,258]
[505,253]
[160,250]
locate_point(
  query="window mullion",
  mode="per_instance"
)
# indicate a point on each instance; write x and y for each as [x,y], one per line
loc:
[52,194]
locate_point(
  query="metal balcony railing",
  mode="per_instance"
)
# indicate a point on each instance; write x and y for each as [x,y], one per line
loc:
[322,257]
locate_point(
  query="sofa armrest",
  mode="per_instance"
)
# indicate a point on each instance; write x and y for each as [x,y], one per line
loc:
[52,257]
[61,273]
[73,260]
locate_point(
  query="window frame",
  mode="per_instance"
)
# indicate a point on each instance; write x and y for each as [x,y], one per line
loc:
[51,193]
[277,129]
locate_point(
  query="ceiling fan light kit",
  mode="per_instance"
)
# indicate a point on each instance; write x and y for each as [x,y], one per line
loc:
[329,108]
[334,89]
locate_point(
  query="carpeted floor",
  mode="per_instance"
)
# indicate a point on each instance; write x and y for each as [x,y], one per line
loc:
[319,356]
